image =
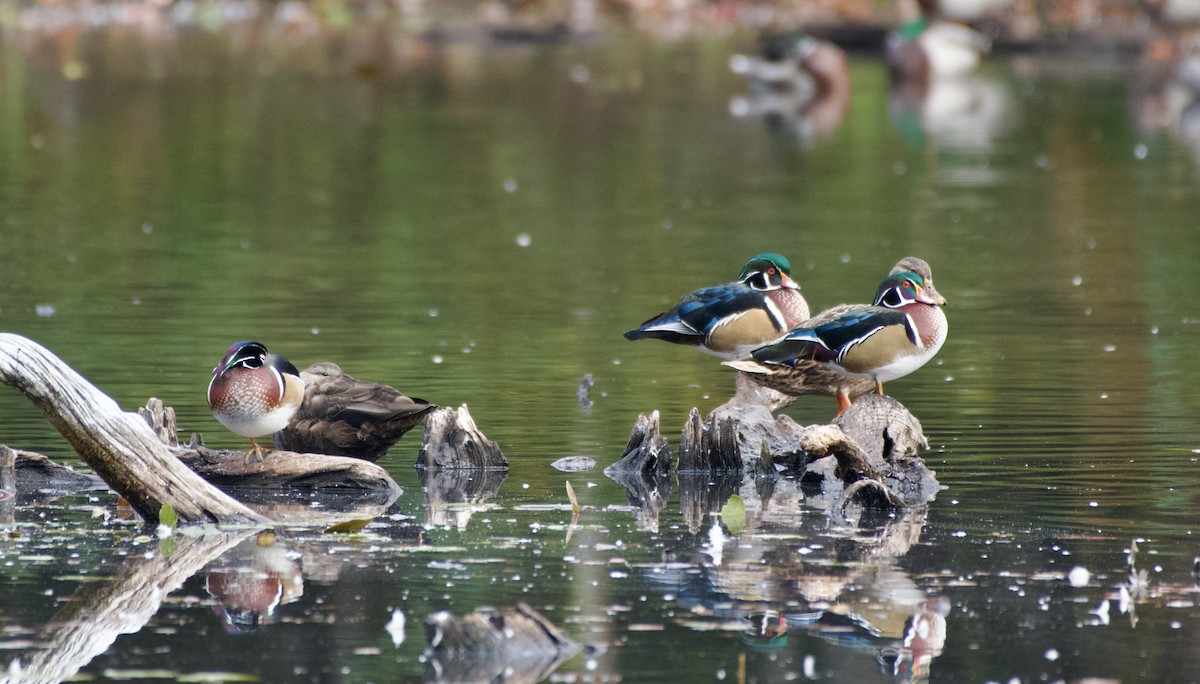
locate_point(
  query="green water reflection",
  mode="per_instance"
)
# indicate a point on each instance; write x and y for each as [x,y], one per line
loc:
[481,228]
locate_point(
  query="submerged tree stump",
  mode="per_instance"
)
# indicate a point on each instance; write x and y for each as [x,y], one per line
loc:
[647,453]
[513,645]
[452,441]
[710,446]
[119,446]
[874,448]
[33,477]
[644,470]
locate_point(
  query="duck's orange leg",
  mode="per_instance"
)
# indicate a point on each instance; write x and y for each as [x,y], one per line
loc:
[843,400]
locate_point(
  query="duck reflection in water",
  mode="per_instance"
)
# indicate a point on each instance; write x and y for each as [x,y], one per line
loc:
[937,91]
[790,580]
[801,85]
[252,580]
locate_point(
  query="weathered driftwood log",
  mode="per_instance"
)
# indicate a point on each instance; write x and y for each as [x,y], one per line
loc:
[287,471]
[119,446]
[513,645]
[453,441]
[277,470]
[98,612]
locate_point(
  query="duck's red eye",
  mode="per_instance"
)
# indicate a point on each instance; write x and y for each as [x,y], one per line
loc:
[771,271]
[908,284]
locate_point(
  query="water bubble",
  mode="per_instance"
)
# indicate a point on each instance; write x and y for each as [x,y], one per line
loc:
[44,310]
[510,185]
[1079,576]
[1110,347]
[437,358]
[316,331]
[1077,281]
[1051,654]
[845,258]
[1140,151]
[580,73]
[147,228]
[524,240]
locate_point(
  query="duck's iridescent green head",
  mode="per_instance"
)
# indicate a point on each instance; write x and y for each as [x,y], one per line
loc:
[768,272]
[911,280]
[247,353]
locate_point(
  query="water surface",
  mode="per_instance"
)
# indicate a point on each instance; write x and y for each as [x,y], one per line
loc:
[480,227]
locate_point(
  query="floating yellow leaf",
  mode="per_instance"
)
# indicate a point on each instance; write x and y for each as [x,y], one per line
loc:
[355,525]
[733,514]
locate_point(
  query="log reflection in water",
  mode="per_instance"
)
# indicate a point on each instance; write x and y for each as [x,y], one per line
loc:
[99,612]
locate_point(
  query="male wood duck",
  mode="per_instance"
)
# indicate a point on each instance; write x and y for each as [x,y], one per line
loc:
[851,349]
[733,319]
[344,416]
[254,393]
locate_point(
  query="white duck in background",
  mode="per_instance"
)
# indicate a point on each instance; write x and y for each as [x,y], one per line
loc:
[927,47]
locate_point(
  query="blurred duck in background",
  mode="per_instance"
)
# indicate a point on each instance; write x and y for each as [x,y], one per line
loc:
[800,83]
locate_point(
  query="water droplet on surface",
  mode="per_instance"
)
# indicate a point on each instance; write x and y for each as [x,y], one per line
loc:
[1079,576]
